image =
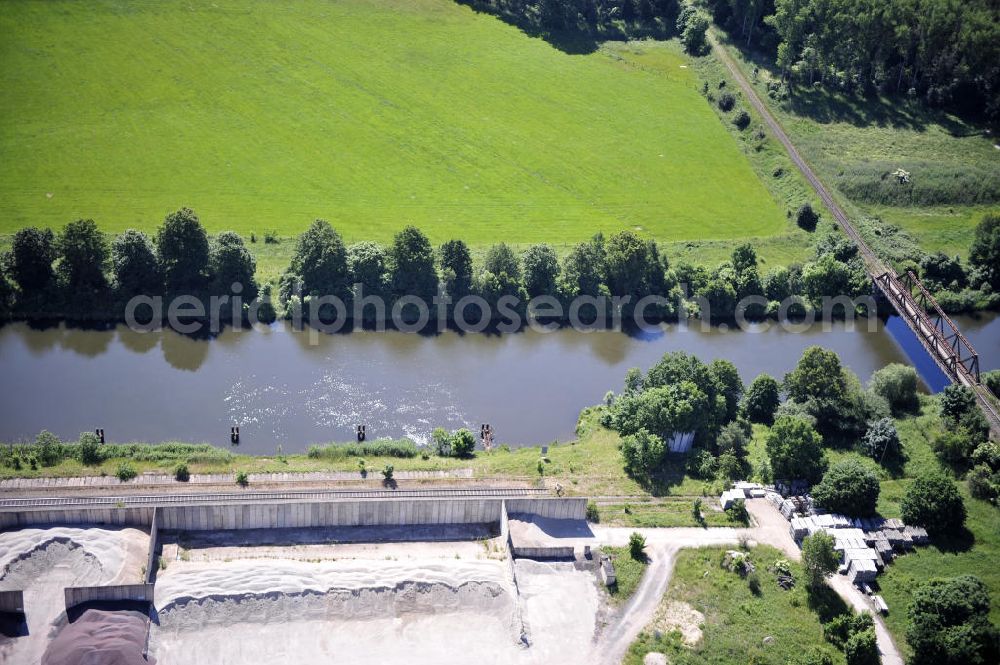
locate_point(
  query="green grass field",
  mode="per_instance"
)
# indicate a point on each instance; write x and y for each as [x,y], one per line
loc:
[847,139]
[370,113]
[736,620]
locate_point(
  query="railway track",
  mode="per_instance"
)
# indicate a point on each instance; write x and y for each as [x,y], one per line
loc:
[876,268]
[141,501]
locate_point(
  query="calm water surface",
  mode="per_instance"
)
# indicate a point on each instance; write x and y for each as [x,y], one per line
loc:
[281,389]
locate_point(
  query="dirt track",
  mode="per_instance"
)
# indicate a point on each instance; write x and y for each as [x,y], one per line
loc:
[663,545]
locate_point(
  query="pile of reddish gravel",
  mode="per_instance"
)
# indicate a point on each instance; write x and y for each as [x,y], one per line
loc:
[100,638]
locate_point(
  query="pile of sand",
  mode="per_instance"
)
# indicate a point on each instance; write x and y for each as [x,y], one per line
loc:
[683,618]
[184,582]
[101,553]
[79,567]
[419,611]
[100,638]
[197,594]
[43,562]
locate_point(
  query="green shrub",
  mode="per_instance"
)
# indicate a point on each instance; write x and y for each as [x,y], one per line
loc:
[806,217]
[696,512]
[49,448]
[727,101]
[737,512]
[637,546]
[125,471]
[898,385]
[731,467]
[840,628]
[753,583]
[463,443]
[90,449]
[593,515]
[848,488]
[387,472]
[950,624]
[956,401]
[987,454]
[953,446]
[441,440]
[992,381]
[861,648]
[794,449]
[402,448]
[819,559]
[741,119]
[984,253]
[933,502]
[761,399]
[984,483]
[881,441]
[242,479]
[181,473]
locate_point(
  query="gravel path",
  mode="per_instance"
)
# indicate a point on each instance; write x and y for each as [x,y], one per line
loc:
[663,545]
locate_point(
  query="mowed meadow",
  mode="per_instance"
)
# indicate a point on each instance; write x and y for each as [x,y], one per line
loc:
[372,114]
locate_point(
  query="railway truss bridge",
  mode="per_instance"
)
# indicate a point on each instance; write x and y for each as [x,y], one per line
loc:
[938,334]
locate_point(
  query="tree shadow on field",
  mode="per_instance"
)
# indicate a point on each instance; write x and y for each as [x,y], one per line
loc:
[670,474]
[956,542]
[825,602]
[826,105]
[578,40]
[895,464]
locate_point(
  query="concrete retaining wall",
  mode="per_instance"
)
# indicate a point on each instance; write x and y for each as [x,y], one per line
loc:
[544,552]
[386,512]
[12,601]
[85,594]
[512,573]
[115,516]
[152,562]
[348,512]
[504,522]
[560,509]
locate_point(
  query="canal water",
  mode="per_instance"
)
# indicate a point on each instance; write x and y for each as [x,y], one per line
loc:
[293,389]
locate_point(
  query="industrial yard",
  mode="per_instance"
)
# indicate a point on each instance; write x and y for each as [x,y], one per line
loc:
[524,587]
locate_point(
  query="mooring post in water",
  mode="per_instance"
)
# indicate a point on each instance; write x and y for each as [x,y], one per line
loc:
[234,434]
[361,433]
[100,434]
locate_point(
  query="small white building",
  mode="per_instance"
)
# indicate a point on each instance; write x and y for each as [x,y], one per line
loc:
[608,576]
[729,496]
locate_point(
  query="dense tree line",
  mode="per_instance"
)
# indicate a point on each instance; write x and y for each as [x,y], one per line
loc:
[945,52]
[78,273]
[607,17]
[825,405]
